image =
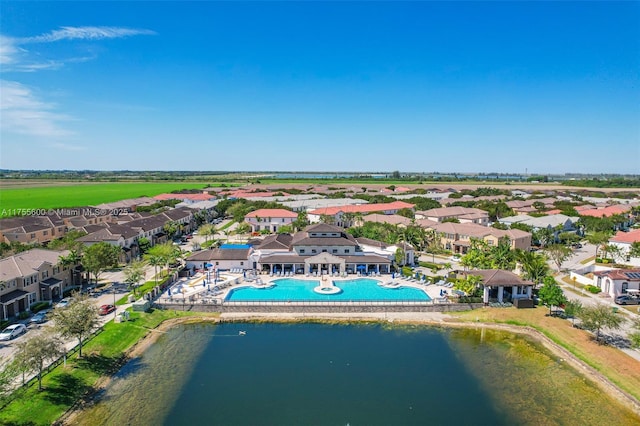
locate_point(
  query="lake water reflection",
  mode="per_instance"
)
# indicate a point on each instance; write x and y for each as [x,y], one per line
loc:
[317,374]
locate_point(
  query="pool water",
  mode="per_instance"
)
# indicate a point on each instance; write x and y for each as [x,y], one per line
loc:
[361,289]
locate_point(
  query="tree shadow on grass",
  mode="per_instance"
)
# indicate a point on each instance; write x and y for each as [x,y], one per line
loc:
[109,365]
[99,363]
[65,389]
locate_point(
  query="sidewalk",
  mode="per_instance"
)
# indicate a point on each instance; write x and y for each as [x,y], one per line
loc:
[589,299]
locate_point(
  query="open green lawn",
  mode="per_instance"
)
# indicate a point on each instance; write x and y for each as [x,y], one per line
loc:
[84,194]
[65,385]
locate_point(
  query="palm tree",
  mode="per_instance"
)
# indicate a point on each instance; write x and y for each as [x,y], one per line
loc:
[207,230]
[598,239]
[71,261]
[155,261]
[534,266]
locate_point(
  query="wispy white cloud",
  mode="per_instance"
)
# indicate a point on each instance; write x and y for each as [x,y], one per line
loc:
[8,50]
[13,57]
[24,113]
[86,33]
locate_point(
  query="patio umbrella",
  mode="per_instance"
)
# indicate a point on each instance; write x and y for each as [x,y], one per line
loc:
[361,267]
[393,275]
[169,292]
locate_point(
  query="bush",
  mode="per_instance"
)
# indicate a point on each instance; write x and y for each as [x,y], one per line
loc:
[23,315]
[430,265]
[468,299]
[592,289]
[39,306]
[407,271]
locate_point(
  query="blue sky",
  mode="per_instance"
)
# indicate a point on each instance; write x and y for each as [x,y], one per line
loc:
[542,87]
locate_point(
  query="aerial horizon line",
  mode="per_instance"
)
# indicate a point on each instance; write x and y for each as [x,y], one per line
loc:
[324,172]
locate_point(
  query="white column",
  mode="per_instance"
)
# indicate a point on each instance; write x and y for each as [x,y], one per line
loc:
[514,292]
[500,293]
[529,290]
[485,295]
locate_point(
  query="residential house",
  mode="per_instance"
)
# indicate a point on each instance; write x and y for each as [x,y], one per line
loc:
[457,237]
[624,240]
[270,219]
[392,219]
[346,215]
[223,258]
[29,277]
[616,282]
[462,214]
[389,250]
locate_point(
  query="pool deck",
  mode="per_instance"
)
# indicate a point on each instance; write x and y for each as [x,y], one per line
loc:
[196,287]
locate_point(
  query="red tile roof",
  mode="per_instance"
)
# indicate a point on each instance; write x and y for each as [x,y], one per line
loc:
[626,237]
[363,208]
[605,212]
[193,197]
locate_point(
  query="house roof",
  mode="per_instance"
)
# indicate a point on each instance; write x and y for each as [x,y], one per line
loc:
[498,277]
[626,237]
[620,274]
[28,262]
[192,197]
[325,241]
[453,211]
[606,211]
[323,228]
[393,219]
[220,254]
[363,208]
[264,213]
[275,242]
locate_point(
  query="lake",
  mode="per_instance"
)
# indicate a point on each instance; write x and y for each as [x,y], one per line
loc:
[321,374]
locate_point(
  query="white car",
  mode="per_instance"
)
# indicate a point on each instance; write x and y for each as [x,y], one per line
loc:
[455,258]
[63,303]
[12,331]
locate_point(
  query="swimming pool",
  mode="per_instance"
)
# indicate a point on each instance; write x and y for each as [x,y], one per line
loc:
[361,289]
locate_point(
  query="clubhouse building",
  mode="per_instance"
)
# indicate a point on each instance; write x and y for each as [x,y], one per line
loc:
[319,249]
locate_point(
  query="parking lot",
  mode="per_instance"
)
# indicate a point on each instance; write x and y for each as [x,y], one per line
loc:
[107,295]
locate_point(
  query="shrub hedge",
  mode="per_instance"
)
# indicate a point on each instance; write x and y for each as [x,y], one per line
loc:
[592,289]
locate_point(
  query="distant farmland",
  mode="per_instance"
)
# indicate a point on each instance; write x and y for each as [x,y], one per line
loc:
[76,195]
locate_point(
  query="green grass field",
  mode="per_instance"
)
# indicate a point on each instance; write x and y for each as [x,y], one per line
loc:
[83,194]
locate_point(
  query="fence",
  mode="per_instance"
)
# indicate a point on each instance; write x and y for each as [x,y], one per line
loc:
[34,379]
[319,307]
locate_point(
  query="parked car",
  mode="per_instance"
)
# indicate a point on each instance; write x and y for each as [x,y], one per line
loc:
[39,318]
[106,309]
[626,299]
[12,331]
[455,258]
[63,303]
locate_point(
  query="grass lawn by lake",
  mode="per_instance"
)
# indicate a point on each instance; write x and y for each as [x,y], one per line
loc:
[614,364]
[102,356]
[65,195]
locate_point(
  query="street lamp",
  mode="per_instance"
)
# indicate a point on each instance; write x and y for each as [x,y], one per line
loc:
[115,310]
